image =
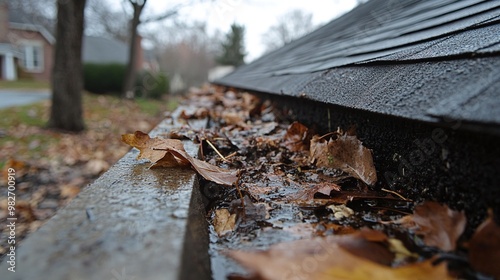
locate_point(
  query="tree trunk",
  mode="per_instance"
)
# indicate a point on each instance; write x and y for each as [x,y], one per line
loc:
[130,73]
[67,75]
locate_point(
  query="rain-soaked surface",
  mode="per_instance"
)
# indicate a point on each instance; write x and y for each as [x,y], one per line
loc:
[286,197]
[295,183]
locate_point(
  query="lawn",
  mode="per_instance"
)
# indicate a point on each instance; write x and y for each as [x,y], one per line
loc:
[24,84]
[23,135]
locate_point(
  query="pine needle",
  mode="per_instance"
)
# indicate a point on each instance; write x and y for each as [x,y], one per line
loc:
[215,149]
[396,194]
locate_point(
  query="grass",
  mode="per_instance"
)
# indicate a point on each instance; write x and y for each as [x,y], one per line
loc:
[28,115]
[155,108]
[23,134]
[24,84]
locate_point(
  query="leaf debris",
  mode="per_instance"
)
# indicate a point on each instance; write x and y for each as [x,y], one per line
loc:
[171,153]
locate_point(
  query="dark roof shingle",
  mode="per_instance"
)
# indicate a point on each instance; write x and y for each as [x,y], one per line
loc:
[419,59]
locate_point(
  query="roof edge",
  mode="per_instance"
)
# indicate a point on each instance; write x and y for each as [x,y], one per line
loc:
[33,27]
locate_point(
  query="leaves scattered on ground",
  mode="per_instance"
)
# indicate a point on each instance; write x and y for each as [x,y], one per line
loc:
[51,167]
[295,183]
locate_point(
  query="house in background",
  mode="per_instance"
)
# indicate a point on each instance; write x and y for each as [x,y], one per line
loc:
[26,48]
[101,50]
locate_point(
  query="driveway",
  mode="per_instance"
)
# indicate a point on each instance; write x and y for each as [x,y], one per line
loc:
[17,97]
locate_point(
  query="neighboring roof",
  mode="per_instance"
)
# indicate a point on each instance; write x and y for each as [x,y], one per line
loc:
[104,50]
[419,59]
[20,20]
[9,49]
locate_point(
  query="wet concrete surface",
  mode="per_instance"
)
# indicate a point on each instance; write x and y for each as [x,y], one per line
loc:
[19,97]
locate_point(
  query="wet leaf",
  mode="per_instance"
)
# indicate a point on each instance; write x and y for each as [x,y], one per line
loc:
[311,189]
[296,137]
[224,222]
[155,149]
[437,224]
[170,152]
[251,211]
[345,153]
[353,256]
[368,244]
[484,248]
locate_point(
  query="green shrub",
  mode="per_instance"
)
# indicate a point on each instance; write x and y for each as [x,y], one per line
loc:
[151,85]
[103,78]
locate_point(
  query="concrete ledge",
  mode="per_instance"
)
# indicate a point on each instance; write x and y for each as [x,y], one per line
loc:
[131,223]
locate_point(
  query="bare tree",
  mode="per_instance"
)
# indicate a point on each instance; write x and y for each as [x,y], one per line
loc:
[103,21]
[37,12]
[290,26]
[66,112]
[188,53]
[138,7]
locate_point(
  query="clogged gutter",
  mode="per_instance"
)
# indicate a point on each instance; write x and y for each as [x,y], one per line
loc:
[285,200]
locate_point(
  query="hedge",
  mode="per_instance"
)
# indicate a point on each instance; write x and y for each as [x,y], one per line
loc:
[103,78]
[151,85]
[108,79]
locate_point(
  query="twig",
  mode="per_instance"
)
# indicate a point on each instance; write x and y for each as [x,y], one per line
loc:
[396,194]
[215,149]
[231,155]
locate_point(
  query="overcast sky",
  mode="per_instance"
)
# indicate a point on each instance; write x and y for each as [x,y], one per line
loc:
[256,15]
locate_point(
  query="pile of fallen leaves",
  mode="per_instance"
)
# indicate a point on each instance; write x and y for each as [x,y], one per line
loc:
[307,201]
[52,167]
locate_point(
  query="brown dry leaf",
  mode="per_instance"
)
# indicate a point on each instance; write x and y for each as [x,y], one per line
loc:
[333,257]
[437,224]
[170,152]
[347,154]
[484,248]
[368,244]
[209,172]
[155,149]
[20,168]
[224,222]
[296,137]
[69,191]
[358,269]
[233,118]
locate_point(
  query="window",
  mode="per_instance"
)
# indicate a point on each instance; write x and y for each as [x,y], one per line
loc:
[33,57]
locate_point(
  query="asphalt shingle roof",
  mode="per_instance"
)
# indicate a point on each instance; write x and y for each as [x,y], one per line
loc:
[104,50]
[419,59]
